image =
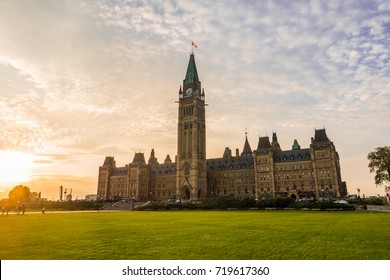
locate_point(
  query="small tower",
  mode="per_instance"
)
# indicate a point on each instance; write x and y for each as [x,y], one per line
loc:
[168,160]
[326,166]
[295,145]
[152,160]
[105,171]
[275,144]
[247,148]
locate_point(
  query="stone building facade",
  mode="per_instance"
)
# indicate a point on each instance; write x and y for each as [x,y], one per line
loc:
[267,171]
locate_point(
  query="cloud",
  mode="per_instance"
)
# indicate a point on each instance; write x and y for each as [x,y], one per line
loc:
[88,79]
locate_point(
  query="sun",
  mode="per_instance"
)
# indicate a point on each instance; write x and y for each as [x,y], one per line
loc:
[15,167]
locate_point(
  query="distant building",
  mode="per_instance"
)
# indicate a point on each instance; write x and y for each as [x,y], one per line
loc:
[267,171]
[91,197]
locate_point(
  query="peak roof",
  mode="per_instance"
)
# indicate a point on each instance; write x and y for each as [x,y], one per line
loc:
[247,148]
[192,74]
[320,138]
[264,143]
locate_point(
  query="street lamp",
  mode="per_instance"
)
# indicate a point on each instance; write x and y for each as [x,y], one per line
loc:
[322,195]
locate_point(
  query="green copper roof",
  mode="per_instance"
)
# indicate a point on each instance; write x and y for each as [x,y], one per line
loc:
[192,74]
[295,145]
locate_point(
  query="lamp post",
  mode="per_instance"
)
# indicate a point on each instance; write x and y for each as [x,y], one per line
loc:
[322,195]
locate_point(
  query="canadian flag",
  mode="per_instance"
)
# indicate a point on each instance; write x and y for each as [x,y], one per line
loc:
[194,45]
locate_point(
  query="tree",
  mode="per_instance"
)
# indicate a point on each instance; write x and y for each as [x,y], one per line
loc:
[19,193]
[380,164]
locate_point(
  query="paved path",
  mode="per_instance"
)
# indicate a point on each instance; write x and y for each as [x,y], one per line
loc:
[384,208]
[63,212]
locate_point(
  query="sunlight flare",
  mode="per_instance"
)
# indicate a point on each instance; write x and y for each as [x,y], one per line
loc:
[15,167]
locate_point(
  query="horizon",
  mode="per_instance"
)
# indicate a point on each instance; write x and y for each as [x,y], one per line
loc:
[81,81]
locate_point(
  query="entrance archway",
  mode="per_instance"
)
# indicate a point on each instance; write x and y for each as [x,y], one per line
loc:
[186,194]
[293,196]
[199,194]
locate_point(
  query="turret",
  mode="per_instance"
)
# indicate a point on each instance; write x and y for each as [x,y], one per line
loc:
[247,148]
[275,144]
[152,160]
[295,145]
[167,160]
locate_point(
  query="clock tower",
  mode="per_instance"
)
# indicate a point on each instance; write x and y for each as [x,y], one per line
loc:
[191,137]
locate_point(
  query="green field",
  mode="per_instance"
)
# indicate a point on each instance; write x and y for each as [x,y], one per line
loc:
[165,235]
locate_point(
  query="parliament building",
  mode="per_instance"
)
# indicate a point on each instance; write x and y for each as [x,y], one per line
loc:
[268,171]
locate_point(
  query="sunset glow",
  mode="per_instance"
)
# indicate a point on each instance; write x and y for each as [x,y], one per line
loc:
[15,168]
[80,80]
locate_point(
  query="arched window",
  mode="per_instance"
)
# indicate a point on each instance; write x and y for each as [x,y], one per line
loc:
[186,170]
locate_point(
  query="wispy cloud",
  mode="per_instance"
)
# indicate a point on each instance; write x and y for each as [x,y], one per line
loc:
[86,79]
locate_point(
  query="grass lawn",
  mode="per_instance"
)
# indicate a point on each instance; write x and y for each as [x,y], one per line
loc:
[269,235]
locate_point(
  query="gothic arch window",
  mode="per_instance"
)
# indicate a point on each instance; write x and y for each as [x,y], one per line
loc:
[186,169]
[200,168]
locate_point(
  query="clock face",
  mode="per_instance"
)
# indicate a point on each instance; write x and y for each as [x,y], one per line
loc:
[189,92]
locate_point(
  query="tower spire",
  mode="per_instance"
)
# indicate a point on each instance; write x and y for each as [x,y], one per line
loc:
[247,148]
[191,74]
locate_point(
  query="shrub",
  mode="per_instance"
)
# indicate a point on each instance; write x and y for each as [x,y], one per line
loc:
[374,201]
[275,202]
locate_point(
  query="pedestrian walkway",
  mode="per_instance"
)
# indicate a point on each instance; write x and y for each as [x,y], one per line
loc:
[384,208]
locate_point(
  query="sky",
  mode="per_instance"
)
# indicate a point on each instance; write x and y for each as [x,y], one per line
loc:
[81,80]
